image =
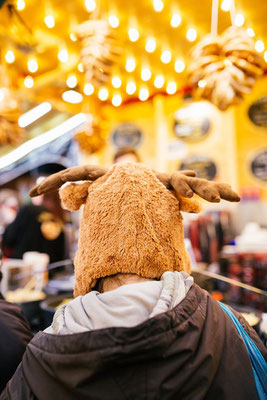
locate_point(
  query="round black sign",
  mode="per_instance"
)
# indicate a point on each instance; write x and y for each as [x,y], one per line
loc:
[259,166]
[190,127]
[202,165]
[258,112]
[127,135]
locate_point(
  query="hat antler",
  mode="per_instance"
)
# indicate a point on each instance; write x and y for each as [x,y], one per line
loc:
[184,183]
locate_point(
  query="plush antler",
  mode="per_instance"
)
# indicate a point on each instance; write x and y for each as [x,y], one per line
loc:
[55,181]
[184,183]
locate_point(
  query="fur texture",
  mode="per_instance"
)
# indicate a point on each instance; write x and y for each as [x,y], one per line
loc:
[130,224]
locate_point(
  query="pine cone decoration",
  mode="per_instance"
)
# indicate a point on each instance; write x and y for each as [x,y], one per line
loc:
[224,68]
[92,138]
[99,50]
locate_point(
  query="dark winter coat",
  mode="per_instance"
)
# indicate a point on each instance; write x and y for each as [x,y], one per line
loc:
[192,352]
[15,334]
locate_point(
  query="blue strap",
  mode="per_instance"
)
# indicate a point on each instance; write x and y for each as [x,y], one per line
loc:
[258,364]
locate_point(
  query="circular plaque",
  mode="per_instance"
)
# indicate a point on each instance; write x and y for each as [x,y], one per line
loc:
[259,166]
[127,135]
[190,126]
[202,165]
[258,112]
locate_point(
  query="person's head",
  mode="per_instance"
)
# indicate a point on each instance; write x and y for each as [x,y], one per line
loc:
[125,155]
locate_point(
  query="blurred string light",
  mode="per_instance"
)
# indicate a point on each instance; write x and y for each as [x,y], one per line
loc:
[72,81]
[159,81]
[265,56]
[133,34]
[130,64]
[32,65]
[116,82]
[145,74]
[113,21]
[171,87]
[176,20]
[158,5]
[28,82]
[73,37]
[179,66]
[103,94]
[49,21]
[20,5]
[259,46]
[42,139]
[80,67]
[239,19]
[90,5]
[191,34]
[10,57]
[143,94]
[166,56]
[116,100]
[73,97]
[150,45]
[131,87]
[34,114]
[63,55]
[202,83]
[88,89]
[226,5]
[250,32]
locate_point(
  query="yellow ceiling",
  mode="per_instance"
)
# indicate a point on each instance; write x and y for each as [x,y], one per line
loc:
[26,34]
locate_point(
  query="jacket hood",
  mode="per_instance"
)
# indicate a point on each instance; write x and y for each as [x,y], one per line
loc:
[178,352]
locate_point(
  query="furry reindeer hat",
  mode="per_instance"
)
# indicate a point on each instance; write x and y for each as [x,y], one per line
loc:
[131,221]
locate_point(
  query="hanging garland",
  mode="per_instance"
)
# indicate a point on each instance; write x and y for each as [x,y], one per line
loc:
[224,67]
[99,52]
[92,138]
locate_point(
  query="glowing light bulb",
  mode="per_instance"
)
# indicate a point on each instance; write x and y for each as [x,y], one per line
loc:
[73,37]
[259,46]
[63,55]
[116,100]
[265,56]
[171,87]
[143,94]
[145,74]
[28,82]
[103,94]
[239,19]
[133,34]
[130,87]
[88,89]
[150,45]
[166,56]
[10,57]
[32,65]
[80,67]
[72,81]
[191,34]
[250,32]
[158,5]
[113,21]
[226,5]
[49,21]
[202,83]
[90,5]
[159,81]
[176,20]
[179,66]
[20,5]
[130,64]
[116,82]
[73,97]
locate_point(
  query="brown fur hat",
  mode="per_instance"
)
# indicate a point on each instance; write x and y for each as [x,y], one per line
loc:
[131,224]
[131,220]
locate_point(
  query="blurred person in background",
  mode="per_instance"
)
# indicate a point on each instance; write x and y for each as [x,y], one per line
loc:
[37,227]
[126,154]
[9,205]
